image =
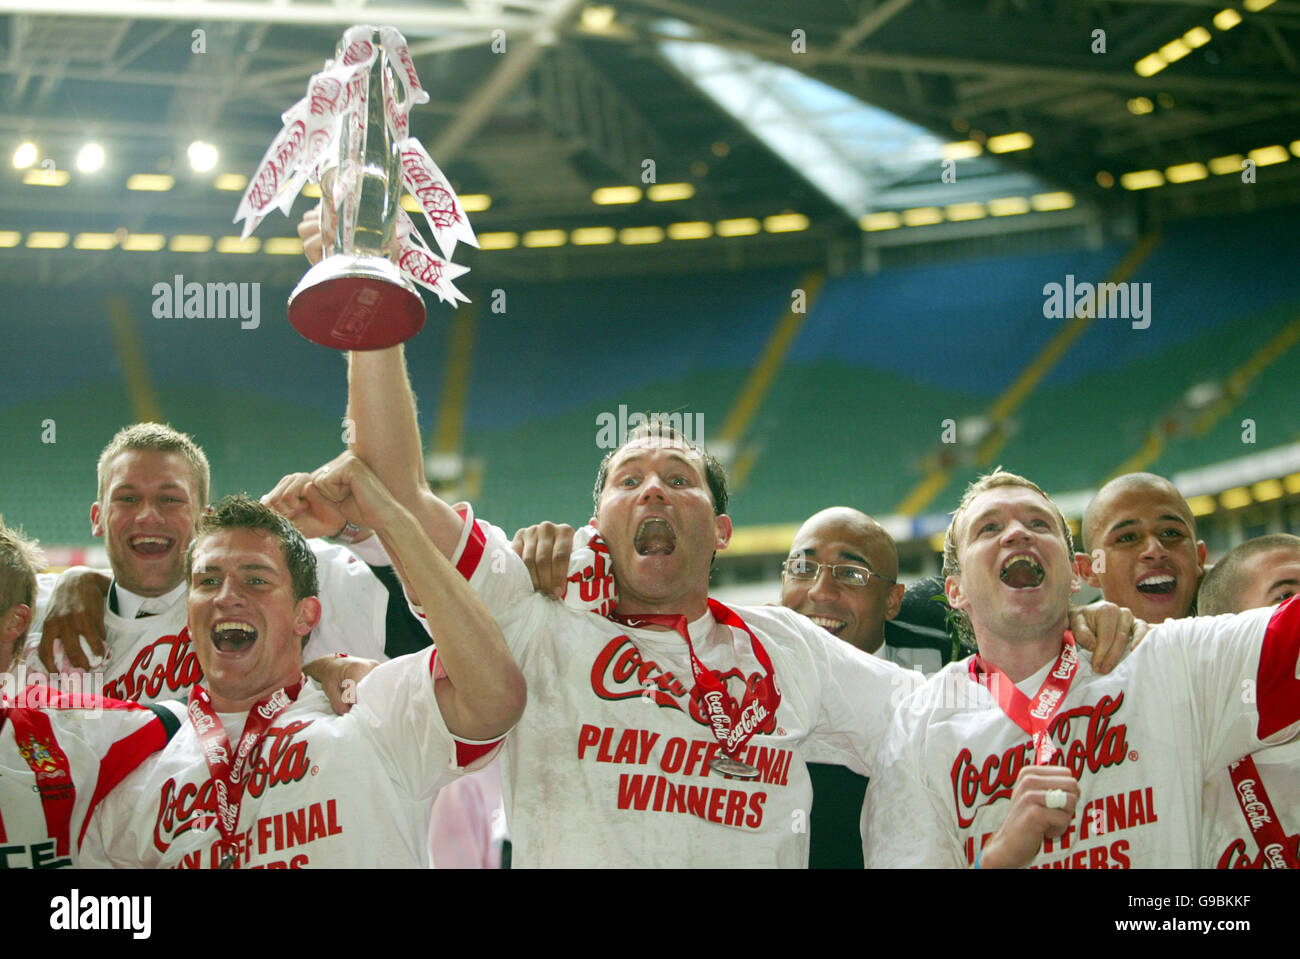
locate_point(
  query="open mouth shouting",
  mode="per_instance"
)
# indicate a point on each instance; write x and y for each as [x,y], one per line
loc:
[1157,583]
[654,537]
[1022,571]
[233,635]
[150,545]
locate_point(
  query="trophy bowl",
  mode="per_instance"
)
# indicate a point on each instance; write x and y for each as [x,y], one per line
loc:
[356,303]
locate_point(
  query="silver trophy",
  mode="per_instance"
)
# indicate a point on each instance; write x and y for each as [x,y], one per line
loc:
[350,135]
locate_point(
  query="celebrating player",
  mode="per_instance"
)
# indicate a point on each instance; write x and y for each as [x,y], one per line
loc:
[61,752]
[1023,755]
[318,789]
[153,484]
[1252,808]
[1144,551]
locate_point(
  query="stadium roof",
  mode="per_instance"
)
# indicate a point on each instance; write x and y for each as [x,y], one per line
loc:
[1051,107]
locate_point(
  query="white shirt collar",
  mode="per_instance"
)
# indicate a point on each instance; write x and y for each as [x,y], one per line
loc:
[129,604]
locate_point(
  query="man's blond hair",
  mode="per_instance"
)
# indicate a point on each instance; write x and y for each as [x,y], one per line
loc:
[20,560]
[159,438]
[998,478]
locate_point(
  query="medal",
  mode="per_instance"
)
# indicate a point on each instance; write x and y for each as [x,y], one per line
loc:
[731,767]
[227,861]
[732,724]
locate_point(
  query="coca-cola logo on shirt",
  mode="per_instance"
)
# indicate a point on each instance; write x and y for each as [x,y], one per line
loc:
[1087,741]
[279,759]
[168,664]
[620,672]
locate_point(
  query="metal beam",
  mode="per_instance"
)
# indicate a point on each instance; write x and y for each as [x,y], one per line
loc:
[869,24]
[515,65]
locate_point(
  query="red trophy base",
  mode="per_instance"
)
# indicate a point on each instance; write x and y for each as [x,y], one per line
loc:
[356,303]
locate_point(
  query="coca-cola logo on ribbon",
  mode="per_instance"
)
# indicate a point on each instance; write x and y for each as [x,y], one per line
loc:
[282,758]
[358,52]
[325,93]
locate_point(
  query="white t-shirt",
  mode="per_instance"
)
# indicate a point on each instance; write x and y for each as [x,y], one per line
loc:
[152,659]
[41,820]
[324,790]
[1141,740]
[1229,843]
[609,767]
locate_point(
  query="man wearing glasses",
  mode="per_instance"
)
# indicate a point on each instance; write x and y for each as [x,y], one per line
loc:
[842,573]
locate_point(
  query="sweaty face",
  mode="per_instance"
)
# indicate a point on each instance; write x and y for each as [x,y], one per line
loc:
[147,519]
[656,515]
[1269,577]
[1152,560]
[1016,578]
[246,627]
[855,614]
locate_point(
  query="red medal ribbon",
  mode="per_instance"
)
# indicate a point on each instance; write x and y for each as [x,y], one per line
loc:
[1268,832]
[1032,715]
[732,725]
[230,773]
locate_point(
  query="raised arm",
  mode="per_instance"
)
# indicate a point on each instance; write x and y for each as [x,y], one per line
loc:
[384,430]
[482,695]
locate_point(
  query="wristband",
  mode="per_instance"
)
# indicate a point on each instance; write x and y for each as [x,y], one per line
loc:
[348,535]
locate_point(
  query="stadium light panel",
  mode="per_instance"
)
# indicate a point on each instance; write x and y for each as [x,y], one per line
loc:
[1197,37]
[283,246]
[1235,498]
[544,239]
[47,240]
[1008,206]
[1150,65]
[1267,156]
[1047,202]
[885,220]
[25,155]
[611,195]
[964,150]
[1010,142]
[1142,180]
[785,223]
[90,158]
[190,243]
[957,212]
[39,176]
[10,238]
[144,242]
[741,226]
[666,192]
[1266,490]
[94,241]
[593,236]
[1201,505]
[233,244]
[230,181]
[498,241]
[922,216]
[1226,164]
[638,235]
[691,230]
[1227,18]
[1186,172]
[150,182]
[203,156]
[1174,50]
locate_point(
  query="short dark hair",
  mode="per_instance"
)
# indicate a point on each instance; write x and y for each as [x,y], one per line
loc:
[241,511]
[158,438]
[657,426]
[1221,587]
